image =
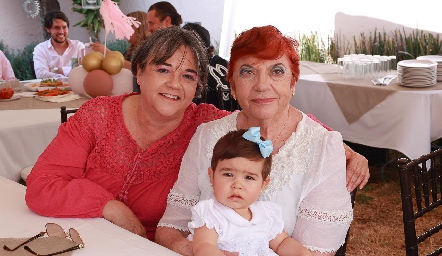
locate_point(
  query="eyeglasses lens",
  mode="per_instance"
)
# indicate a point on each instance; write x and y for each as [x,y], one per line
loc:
[75,236]
[53,229]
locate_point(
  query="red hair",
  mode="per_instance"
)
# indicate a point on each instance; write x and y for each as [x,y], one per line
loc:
[266,43]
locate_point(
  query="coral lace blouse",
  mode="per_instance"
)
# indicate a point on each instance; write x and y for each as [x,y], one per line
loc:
[94,159]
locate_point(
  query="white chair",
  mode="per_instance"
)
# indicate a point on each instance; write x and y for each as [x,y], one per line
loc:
[24,174]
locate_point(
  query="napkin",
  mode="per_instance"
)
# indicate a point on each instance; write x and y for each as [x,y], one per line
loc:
[42,245]
[60,98]
[25,94]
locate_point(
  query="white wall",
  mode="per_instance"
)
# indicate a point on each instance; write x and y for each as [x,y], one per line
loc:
[16,30]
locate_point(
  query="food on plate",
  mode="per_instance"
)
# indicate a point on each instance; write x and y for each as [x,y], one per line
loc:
[51,82]
[52,92]
[6,93]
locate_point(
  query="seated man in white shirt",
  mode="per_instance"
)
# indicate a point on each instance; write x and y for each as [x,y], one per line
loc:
[53,58]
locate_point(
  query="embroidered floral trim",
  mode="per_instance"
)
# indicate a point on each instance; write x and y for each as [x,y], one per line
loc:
[221,128]
[180,200]
[167,225]
[307,211]
[321,250]
[254,244]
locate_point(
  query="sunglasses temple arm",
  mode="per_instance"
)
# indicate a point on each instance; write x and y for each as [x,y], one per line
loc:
[55,253]
[25,242]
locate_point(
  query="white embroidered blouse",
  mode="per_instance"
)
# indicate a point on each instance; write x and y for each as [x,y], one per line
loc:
[308,181]
[236,234]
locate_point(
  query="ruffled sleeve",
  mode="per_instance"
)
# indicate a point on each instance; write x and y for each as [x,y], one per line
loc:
[204,213]
[274,216]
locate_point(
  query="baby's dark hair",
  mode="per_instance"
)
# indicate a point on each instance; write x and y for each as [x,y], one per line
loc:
[234,145]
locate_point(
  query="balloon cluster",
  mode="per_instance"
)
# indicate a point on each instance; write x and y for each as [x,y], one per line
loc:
[100,76]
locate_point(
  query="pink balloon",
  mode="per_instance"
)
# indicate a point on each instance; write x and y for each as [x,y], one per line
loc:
[122,82]
[98,83]
[76,78]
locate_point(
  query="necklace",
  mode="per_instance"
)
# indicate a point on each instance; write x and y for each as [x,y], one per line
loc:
[283,127]
[280,132]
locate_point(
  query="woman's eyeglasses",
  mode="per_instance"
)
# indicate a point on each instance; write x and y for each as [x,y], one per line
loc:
[52,230]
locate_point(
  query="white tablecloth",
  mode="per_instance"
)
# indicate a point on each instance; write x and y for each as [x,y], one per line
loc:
[406,121]
[24,134]
[99,236]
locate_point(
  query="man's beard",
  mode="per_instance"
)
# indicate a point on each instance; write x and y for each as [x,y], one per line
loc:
[57,41]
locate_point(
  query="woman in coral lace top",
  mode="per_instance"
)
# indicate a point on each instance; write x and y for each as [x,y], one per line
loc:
[118,157]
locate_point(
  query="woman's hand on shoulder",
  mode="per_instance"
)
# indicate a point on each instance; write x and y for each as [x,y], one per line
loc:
[358,172]
[121,215]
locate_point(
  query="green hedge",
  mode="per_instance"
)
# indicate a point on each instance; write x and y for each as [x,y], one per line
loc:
[20,60]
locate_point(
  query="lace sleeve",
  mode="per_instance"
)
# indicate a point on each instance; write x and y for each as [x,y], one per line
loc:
[185,192]
[325,214]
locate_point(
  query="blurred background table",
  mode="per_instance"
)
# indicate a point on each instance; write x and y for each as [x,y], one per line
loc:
[100,236]
[27,126]
[391,117]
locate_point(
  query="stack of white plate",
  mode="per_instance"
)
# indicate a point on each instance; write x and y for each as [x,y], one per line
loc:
[417,73]
[435,58]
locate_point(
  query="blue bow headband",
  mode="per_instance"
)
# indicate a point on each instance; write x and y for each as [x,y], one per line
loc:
[253,135]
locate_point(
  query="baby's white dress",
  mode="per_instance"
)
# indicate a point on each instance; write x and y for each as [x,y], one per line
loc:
[237,234]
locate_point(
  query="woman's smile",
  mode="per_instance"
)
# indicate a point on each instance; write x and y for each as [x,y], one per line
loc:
[263,100]
[170,96]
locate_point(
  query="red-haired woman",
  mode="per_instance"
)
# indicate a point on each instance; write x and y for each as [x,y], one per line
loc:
[308,177]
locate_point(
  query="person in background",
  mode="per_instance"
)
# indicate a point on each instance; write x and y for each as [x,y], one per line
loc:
[53,57]
[217,72]
[6,72]
[308,179]
[162,15]
[140,34]
[232,220]
[203,33]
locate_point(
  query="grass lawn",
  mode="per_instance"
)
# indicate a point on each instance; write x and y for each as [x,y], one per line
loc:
[377,228]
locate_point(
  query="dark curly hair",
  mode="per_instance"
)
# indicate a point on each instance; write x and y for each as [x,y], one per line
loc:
[162,44]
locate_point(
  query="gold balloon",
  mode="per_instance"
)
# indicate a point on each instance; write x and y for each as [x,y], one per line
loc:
[116,53]
[112,64]
[99,54]
[92,61]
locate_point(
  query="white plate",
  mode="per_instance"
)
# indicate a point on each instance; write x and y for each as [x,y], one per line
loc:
[34,87]
[436,58]
[417,63]
[49,98]
[417,85]
[14,97]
